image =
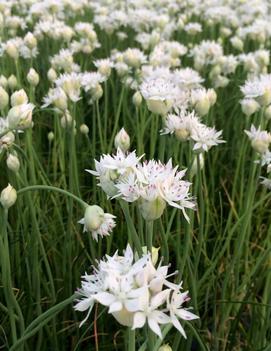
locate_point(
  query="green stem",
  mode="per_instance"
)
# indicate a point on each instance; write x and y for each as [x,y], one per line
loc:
[52,188]
[149,235]
[131,340]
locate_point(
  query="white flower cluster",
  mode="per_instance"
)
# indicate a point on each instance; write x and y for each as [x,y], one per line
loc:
[187,126]
[151,183]
[135,293]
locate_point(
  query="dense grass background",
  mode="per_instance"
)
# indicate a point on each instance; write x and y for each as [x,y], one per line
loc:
[223,255]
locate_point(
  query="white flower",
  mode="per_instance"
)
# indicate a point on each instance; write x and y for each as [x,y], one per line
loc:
[258,88]
[260,139]
[187,78]
[97,222]
[135,292]
[193,28]
[205,137]
[160,94]
[178,312]
[266,182]
[149,312]
[70,84]
[181,124]
[110,169]
[56,97]
[155,184]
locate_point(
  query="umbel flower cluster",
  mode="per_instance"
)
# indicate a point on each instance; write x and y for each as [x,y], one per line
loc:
[135,292]
[151,183]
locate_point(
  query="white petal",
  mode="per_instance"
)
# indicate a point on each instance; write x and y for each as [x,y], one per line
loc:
[139,320]
[159,298]
[178,326]
[154,327]
[161,317]
[115,307]
[132,305]
[105,298]
[184,314]
[84,304]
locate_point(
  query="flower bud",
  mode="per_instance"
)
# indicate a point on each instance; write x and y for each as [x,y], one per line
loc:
[137,99]
[67,33]
[4,98]
[3,81]
[7,140]
[202,106]
[66,120]
[50,136]
[122,140]
[8,197]
[249,106]
[14,117]
[97,92]
[13,163]
[33,77]
[265,99]
[260,146]
[165,348]
[61,102]
[94,217]
[20,116]
[12,82]
[51,75]
[131,59]
[160,107]
[105,69]
[212,96]
[12,51]
[237,43]
[154,253]
[221,81]
[152,210]
[84,129]
[194,168]
[30,40]
[18,98]
[225,32]
[182,134]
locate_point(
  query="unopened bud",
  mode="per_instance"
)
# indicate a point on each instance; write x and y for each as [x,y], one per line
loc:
[84,129]
[94,217]
[3,81]
[152,210]
[13,163]
[12,51]
[202,106]
[30,40]
[50,136]
[97,92]
[66,120]
[122,140]
[12,82]
[51,75]
[165,348]
[249,106]
[4,98]
[8,197]
[137,99]
[33,77]
[18,98]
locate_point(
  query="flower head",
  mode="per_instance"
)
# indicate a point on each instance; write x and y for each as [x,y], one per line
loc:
[97,222]
[135,292]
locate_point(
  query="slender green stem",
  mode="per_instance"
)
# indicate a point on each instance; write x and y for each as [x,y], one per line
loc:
[53,188]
